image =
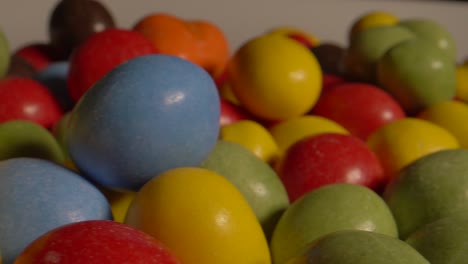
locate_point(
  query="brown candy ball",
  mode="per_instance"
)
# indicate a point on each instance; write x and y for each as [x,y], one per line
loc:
[72,21]
[329,55]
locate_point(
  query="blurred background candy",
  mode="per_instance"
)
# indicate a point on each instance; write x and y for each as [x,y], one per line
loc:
[100,53]
[73,21]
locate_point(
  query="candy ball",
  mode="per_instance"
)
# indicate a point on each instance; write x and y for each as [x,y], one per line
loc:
[405,140]
[96,242]
[433,32]
[199,41]
[450,115]
[429,189]
[153,113]
[27,99]
[368,46]
[201,217]
[39,55]
[39,195]
[361,108]
[255,179]
[328,158]
[21,138]
[100,53]
[376,18]
[417,73]
[325,210]
[73,21]
[274,77]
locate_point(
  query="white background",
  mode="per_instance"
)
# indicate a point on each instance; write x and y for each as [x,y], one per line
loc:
[26,21]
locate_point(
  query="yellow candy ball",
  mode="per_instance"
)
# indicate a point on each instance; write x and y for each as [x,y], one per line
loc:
[275,78]
[201,217]
[451,115]
[372,19]
[403,141]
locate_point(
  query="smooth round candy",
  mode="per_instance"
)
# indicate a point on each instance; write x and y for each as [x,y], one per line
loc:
[274,77]
[37,196]
[21,138]
[328,158]
[148,115]
[371,19]
[417,74]
[27,99]
[368,46]
[96,242]
[361,108]
[405,140]
[433,32]
[72,21]
[100,53]
[201,217]
[256,180]
[325,210]
[429,189]
[451,115]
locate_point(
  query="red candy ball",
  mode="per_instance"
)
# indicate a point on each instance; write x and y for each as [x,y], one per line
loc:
[38,55]
[27,99]
[96,242]
[329,158]
[359,107]
[100,53]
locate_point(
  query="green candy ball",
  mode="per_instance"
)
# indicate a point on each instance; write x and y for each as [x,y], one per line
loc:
[417,74]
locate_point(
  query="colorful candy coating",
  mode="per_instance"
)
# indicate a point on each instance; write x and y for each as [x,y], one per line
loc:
[73,21]
[100,53]
[96,242]
[38,195]
[148,115]
[201,216]
[274,77]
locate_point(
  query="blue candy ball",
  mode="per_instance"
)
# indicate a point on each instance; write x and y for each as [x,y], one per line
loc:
[148,115]
[54,77]
[37,196]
